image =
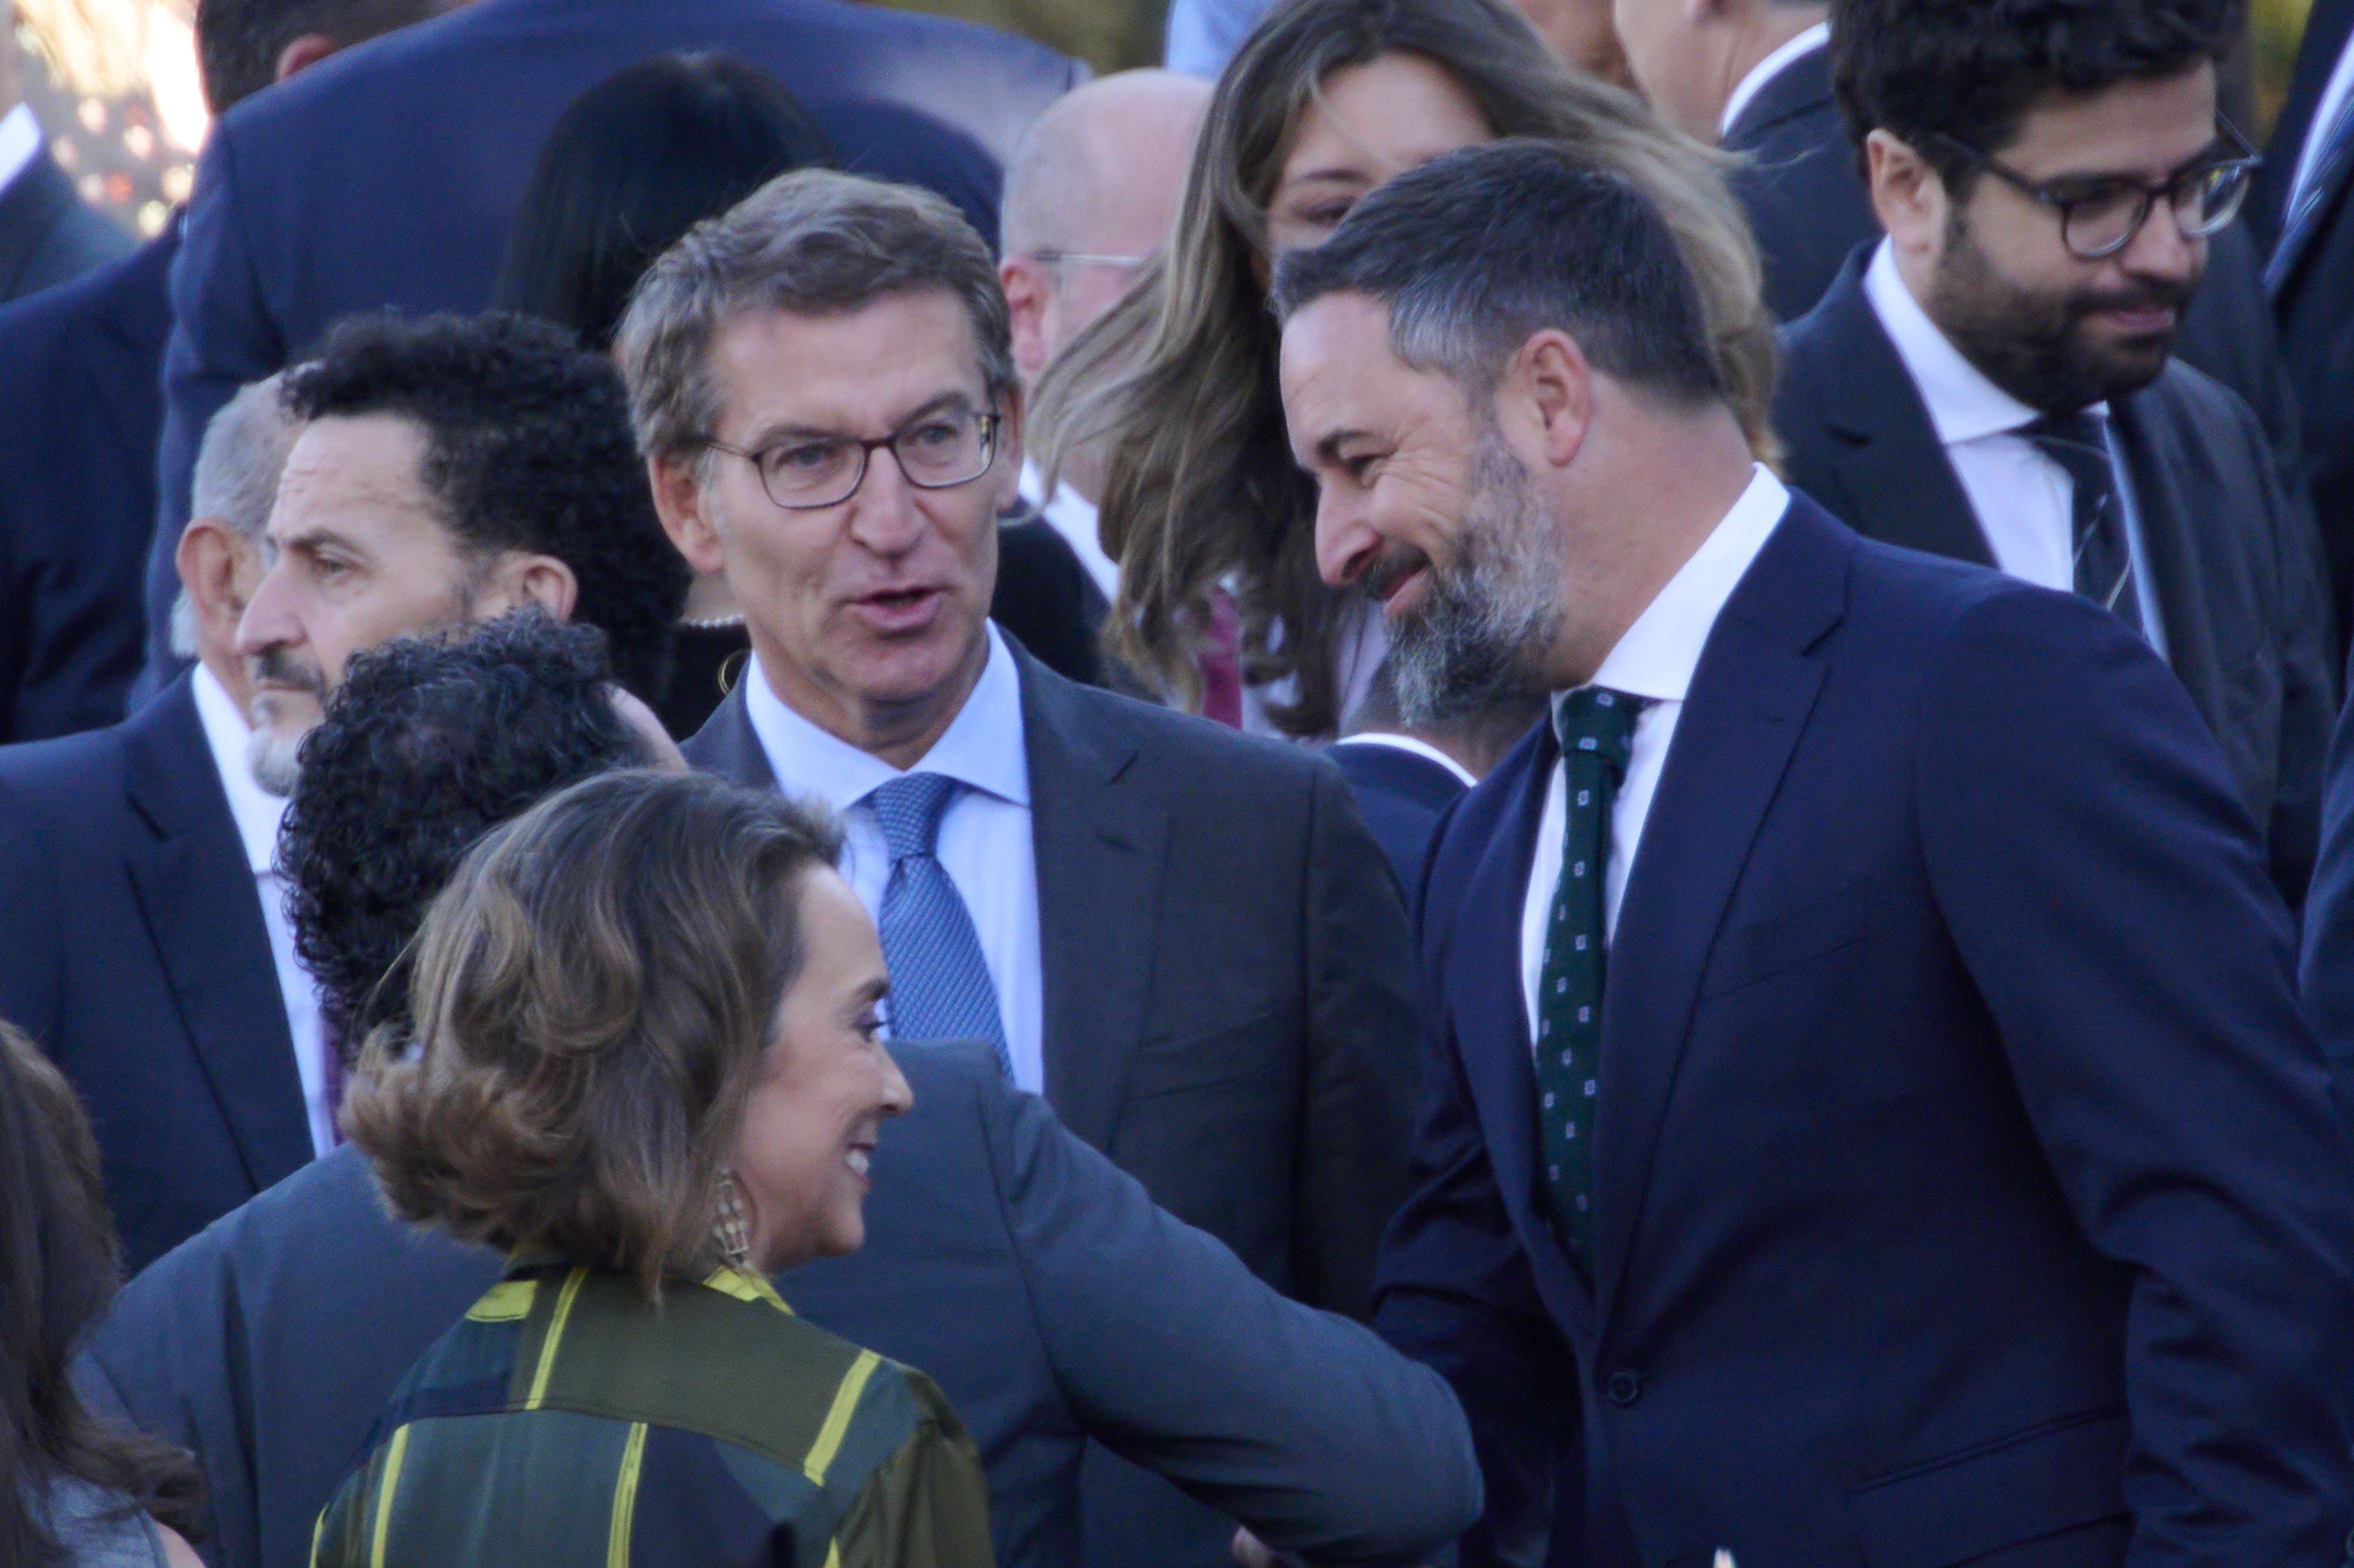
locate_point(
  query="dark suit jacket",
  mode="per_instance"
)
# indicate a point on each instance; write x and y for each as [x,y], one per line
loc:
[1045,599]
[133,949]
[1808,207]
[1946,1213]
[1402,796]
[1036,1283]
[300,217]
[2235,561]
[48,234]
[80,405]
[2312,276]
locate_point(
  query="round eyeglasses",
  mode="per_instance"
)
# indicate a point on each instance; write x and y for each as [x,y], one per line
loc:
[2100,217]
[934,451]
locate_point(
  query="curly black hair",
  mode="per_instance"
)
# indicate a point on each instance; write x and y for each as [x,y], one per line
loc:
[1972,69]
[429,744]
[528,447]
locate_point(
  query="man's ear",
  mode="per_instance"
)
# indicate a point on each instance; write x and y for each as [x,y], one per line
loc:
[1007,467]
[1029,287]
[1545,402]
[1907,195]
[521,578]
[684,508]
[304,53]
[219,572]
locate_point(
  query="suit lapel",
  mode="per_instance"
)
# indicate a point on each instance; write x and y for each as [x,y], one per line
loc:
[2153,467]
[726,746]
[1749,700]
[204,914]
[1899,488]
[1102,853]
[1490,1009]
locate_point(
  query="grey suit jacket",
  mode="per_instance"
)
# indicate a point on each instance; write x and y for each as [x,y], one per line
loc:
[2242,589]
[1037,1284]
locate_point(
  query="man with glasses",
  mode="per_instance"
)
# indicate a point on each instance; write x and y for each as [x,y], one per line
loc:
[1184,939]
[1992,381]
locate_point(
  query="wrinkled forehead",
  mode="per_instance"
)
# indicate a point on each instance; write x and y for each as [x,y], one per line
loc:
[858,370]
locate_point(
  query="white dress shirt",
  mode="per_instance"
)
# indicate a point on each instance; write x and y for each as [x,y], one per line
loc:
[1654,661]
[2024,501]
[20,142]
[1818,37]
[1072,516]
[258,814]
[985,844]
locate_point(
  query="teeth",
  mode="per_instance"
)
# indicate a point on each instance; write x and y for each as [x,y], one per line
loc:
[856,1161]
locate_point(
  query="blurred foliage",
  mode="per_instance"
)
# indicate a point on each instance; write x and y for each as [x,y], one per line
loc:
[1110,34]
[2274,26]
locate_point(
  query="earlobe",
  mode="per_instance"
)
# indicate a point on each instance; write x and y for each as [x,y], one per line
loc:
[1025,307]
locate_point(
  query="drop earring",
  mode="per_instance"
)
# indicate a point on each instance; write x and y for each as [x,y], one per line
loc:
[731,1228]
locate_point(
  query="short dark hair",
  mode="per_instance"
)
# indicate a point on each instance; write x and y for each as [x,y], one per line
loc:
[1972,69]
[594,993]
[1475,251]
[239,41]
[527,448]
[637,161]
[427,746]
[58,1270]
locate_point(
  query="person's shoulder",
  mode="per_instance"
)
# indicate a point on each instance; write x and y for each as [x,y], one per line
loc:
[2199,411]
[61,772]
[1210,754]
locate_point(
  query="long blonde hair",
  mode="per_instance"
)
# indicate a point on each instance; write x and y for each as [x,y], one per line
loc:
[1174,389]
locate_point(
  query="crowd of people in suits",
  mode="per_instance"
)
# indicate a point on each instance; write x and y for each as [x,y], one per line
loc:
[1524,788]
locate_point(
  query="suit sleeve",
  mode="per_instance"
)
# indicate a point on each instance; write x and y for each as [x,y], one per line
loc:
[1361,1023]
[32,961]
[1299,1424]
[2107,893]
[222,338]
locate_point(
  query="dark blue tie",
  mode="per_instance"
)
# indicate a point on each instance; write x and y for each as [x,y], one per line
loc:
[940,988]
[2104,555]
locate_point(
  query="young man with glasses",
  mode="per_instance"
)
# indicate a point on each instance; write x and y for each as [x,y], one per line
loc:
[1184,939]
[1994,382]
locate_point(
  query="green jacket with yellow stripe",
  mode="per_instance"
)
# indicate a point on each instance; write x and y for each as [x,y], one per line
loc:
[569,1421]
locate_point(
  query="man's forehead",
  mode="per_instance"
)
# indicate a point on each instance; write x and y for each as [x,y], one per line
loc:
[1337,361]
[2143,128]
[343,470]
[901,351]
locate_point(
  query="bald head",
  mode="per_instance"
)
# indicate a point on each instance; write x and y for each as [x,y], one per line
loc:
[1097,175]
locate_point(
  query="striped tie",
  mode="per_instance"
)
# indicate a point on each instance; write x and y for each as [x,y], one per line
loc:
[940,988]
[2105,568]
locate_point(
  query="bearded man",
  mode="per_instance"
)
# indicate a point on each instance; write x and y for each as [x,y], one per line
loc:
[1992,381]
[1867,1113]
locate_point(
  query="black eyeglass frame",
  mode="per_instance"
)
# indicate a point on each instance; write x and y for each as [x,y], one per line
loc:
[990,421]
[2243,165]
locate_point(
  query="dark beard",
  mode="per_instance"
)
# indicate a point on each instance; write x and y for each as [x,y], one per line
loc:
[2032,345]
[1477,642]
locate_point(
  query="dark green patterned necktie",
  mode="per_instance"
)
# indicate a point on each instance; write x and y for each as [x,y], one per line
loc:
[1597,733]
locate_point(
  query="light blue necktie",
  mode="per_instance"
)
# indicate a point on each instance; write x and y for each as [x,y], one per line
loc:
[940,988]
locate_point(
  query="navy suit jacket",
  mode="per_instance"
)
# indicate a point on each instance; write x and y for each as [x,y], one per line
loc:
[1968,1185]
[80,408]
[2233,558]
[1035,1282]
[388,175]
[48,234]
[133,949]
[1402,797]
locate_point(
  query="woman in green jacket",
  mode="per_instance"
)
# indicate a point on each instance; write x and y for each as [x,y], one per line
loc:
[646,1065]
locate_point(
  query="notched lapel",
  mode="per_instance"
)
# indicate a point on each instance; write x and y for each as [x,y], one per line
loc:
[2155,465]
[1102,855]
[1749,701]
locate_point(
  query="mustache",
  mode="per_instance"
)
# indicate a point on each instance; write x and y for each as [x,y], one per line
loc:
[2148,294]
[278,667]
[1392,565]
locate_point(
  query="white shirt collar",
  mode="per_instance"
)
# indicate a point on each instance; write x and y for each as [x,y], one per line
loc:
[982,745]
[1656,657]
[257,813]
[1408,743]
[20,142]
[1818,37]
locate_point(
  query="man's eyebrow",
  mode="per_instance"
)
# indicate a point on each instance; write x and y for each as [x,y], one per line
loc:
[769,435]
[2218,150]
[1328,449]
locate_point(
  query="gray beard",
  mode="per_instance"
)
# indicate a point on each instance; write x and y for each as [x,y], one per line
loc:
[1479,642]
[273,762]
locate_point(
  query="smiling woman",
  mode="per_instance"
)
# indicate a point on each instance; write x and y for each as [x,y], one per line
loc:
[646,1064]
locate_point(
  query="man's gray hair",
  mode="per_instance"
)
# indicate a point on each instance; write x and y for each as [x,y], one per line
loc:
[236,483]
[812,242]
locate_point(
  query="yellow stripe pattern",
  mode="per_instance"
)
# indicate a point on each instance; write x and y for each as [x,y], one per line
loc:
[625,1498]
[746,1287]
[837,1420]
[509,1301]
[564,1297]
[384,1495]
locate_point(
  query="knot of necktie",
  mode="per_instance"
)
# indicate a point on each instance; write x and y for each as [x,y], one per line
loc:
[908,810]
[1600,722]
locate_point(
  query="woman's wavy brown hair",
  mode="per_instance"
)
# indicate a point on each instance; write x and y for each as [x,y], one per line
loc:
[593,992]
[1174,389]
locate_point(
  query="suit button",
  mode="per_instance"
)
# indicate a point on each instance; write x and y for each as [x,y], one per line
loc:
[1626,1388]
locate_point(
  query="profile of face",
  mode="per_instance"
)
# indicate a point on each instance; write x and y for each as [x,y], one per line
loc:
[1684,71]
[869,614]
[358,551]
[1424,507]
[2057,332]
[1366,126]
[826,1085]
